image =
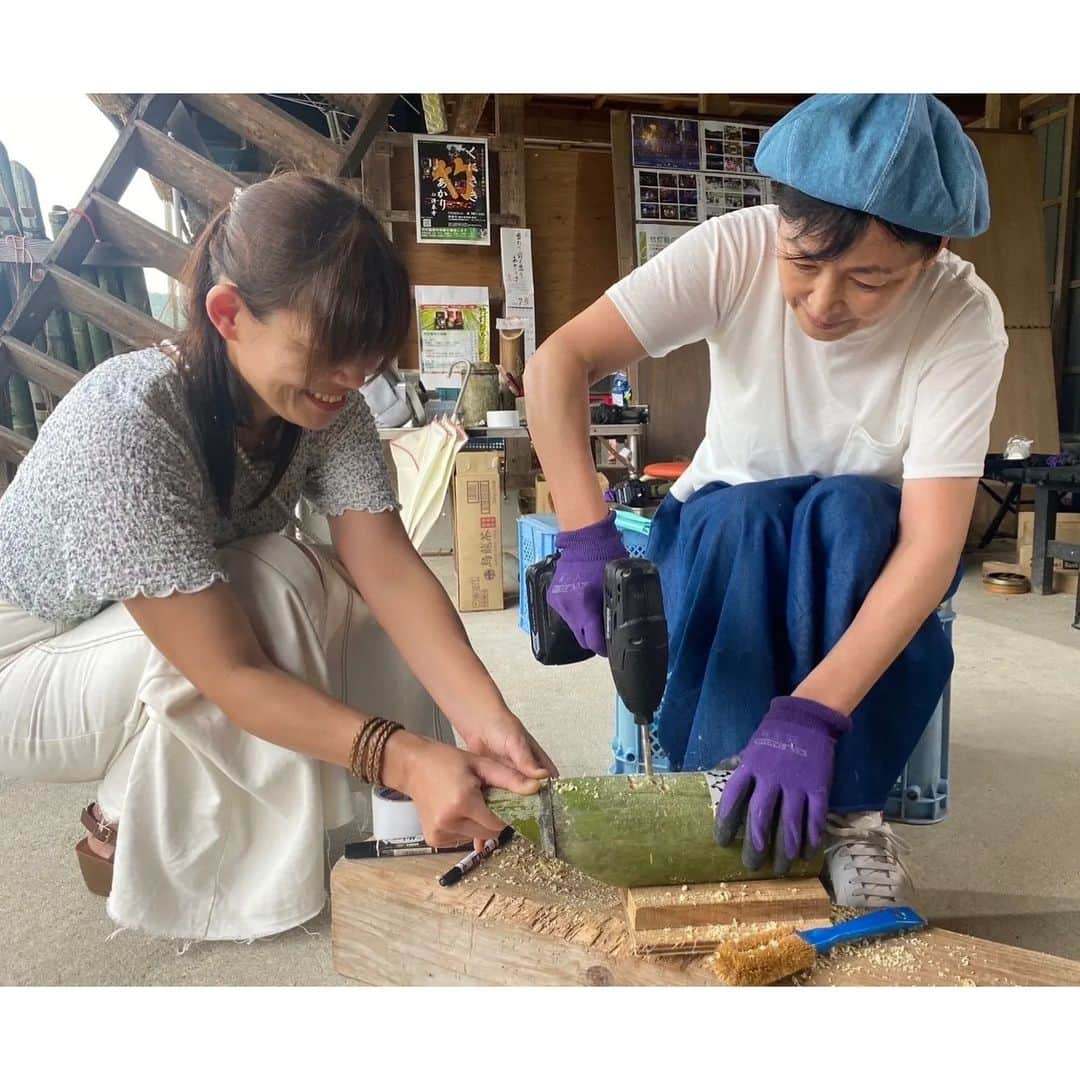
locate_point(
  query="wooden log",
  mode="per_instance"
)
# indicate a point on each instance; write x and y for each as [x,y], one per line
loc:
[393,925]
[148,243]
[190,173]
[287,140]
[632,831]
[123,322]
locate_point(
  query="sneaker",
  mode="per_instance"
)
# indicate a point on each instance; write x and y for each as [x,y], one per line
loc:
[863,868]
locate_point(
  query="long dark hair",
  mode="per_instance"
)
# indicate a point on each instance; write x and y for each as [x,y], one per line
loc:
[836,228]
[298,243]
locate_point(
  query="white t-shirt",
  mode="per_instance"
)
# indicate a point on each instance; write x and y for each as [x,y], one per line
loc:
[910,397]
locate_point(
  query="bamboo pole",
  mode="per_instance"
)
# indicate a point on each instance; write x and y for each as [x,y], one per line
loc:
[632,831]
[22,404]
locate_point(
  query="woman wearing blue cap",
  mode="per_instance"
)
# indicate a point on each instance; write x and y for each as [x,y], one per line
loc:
[854,366]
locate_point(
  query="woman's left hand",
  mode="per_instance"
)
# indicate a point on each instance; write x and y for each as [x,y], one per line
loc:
[504,738]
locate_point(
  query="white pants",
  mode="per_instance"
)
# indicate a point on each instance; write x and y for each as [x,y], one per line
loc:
[222,833]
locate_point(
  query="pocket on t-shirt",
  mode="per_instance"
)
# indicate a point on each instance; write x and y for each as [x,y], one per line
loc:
[863,455]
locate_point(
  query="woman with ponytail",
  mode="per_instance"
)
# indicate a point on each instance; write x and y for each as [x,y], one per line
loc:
[232,689]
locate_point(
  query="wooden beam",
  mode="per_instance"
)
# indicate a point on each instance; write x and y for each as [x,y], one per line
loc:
[369,124]
[101,254]
[150,245]
[282,136]
[1067,225]
[408,217]
[183,169]
[34,305]
[353,104]
[510,122]
[623,177]
[376,173]
[120,320]
[37,367]
[467,112]
[1030,103]
[1002,112]
[714,104]
[13,447]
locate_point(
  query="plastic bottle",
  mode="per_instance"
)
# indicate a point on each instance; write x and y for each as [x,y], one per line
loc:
[620,389]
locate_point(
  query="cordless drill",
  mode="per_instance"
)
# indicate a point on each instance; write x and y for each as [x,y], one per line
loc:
[634,628]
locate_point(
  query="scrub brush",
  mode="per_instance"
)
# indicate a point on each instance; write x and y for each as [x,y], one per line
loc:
[767,957]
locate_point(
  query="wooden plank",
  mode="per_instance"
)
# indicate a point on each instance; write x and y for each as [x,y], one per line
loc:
[370,123]
[1010,255]
[13,448]
[408,217]
[354,104]
[151,245]
[510,111]
[570,200]
[181,168]
[119,319]
[667,906]
[286,139]
[623,179]
[1066,240]
[467,112]
[393,925]
[38,367]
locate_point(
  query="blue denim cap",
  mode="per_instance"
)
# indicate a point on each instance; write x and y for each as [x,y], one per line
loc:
[902,157]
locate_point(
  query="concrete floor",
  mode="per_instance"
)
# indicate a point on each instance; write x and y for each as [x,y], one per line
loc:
[1005,864]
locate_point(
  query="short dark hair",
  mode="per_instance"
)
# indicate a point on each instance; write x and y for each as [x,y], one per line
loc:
[837,228]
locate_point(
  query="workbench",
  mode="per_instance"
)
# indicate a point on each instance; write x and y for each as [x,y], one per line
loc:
[536,922]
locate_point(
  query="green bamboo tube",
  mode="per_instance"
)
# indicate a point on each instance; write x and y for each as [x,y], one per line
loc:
[9,219]
[632,831]
[80,330]
[133,281]
[100,342]
[110,280]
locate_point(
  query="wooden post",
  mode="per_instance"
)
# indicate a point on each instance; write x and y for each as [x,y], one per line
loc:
[623,184]
[1067,224]
[1002,112]
[510,124]
[714,104]
[376,174]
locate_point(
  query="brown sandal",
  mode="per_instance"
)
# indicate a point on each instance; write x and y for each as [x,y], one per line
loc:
[97,870]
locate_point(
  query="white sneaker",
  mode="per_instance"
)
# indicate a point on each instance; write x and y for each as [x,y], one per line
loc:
[863,868]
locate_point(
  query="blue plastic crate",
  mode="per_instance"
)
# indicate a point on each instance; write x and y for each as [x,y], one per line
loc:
[626,746]
[536,541]
[921,794]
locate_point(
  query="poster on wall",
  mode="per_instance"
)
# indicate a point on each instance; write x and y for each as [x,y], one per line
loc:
[663,195]
[728,147]
[665,142]
[652,239]
[453,326]
[724,192]
[452,196]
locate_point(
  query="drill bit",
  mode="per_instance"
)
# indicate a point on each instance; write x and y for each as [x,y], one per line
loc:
[646,744]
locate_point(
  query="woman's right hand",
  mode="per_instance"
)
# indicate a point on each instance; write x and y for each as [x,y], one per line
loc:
[446,786]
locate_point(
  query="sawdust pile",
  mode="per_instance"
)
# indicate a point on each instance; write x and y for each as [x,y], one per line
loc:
[522,865]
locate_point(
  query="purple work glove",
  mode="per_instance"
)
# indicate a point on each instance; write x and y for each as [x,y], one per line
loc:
[577,589]
[782,783]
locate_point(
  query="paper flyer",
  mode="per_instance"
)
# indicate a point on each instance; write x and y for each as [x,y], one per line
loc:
[661,195]
[652,239]
[728,147]
[665,142]
[452,194]
[723,192]
[453,324]
[517,273]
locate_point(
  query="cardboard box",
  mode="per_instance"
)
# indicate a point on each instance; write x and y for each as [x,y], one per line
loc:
[478,531]
[544,503]
[1067,529]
